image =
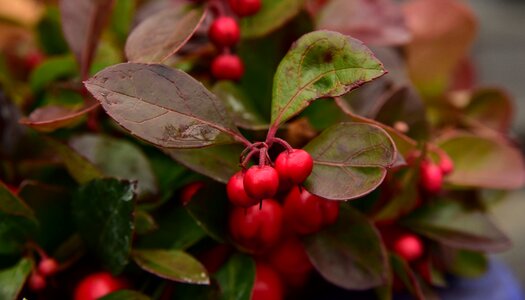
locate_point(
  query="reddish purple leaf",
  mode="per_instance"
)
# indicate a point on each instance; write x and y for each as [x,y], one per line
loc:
[161,35]
[82,23]
[375,22]
[163,106]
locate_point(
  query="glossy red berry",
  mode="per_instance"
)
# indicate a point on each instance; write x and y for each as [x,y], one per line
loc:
[256,229]
[267,285]
[409,247]
[294,166]
[290,260]
[48,267]
[97,285]
[189,191]
[306,213]
[236,192]
[227,67]
[36,282]
[261,182]
[446,165]
[245,8]
[431,177]
[224,31]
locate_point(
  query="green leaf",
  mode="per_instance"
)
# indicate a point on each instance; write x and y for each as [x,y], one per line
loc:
[78,167]
[490,107]
[144,222]
[484,162]
[122,18]
[161,35]
[173,265]
[241,108]
[350,160]
[402,270]
[468,264]
[163,106]
[209,208]
[320,64]
[273,14]
[117,158]
[51,70]
[218,162]
[453,225]
[350,253]
[125,295]
[10,204]
[236,278]
[103,213]
[49,32]
[12,279]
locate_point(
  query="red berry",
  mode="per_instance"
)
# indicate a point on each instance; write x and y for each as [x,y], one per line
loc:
[306,213]
[257,229]
[97,285]
[227,67]
[236,192]
[431,177]
[409,247]
[224,31]
[294,166]
[189,191]
[245,8]
[261,182]
[33,59]
[48,266]
[446,165]
[36,282]
[290,260]
[267,285]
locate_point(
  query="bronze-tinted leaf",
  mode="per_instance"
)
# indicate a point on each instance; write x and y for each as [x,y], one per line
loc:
[350,160]
[161,35]
[163,106]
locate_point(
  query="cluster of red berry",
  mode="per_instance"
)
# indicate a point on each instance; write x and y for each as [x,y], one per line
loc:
[431,174]
[46,267]
[224,32]
[270,230]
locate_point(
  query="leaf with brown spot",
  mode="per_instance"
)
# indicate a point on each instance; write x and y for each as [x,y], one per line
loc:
[163,34]
[163,106]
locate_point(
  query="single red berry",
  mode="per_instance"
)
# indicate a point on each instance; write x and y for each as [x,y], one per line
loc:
[36,282]
[267,285]
[290,260]
[244,8]
[257,229]
[33,59]
[97,285]
[236,192]
[189,191]
[48,267]
[224,31]
[306,213]
[261,182]
[446,165]
[431,177]
[409,247]
[227,67]
[294,166]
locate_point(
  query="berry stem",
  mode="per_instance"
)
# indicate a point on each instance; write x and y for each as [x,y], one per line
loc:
[283,143]
[217,7]
[247,158]
[262,157]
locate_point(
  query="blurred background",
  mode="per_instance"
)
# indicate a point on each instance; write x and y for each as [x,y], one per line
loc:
[499,55]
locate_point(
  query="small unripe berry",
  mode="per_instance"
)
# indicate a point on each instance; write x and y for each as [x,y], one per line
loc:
[431,177]
[446,165]
[294,166]
[244,8]
[236,193]
[261,182]
[97,285]
[409,247]
[290,260]
[224,32]
[256,229]
[227,67]
[267,285]
[48,267]
[36,282]
[306,213]
[189,191]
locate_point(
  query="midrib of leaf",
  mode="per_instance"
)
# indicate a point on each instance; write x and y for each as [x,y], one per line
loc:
[236,136]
